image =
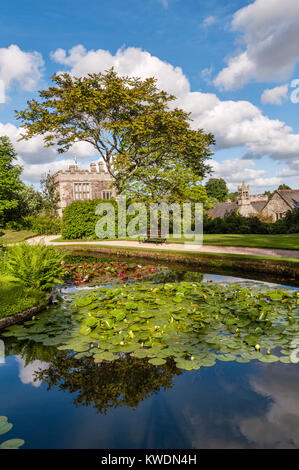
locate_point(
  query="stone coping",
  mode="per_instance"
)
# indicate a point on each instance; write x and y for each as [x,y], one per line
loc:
[25,315]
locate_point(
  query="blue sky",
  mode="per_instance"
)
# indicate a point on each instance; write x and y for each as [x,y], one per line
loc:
[231,64]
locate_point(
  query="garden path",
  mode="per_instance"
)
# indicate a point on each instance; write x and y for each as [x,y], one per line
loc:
[237,250]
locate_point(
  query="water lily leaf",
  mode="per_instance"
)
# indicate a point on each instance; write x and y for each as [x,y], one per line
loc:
[5,427]
[157,361]
[12,444]
[85,330]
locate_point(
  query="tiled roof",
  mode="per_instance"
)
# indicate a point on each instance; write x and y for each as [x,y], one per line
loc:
[290,196]
[222,209]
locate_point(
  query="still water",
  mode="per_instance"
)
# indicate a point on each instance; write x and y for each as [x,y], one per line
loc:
[57,402]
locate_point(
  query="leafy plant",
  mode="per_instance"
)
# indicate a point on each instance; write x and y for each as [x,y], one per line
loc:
[191,322]
[128,121]
[37,266]
[5,427]
[104,272]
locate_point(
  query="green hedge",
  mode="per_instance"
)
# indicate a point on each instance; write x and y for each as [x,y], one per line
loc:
[79,222]
[41,225]
[236,223]
[79,219]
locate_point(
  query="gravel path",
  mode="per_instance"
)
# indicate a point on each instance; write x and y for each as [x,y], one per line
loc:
[234,250]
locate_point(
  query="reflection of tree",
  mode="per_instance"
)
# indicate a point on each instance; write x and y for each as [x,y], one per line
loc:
[125,382]
[178,276]
[29,351]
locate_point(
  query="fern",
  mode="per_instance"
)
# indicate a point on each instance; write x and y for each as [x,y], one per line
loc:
[37,266]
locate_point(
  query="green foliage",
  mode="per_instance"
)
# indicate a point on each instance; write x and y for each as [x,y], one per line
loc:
[15,236]
[106,272]
[42,225]
[15,297]
[37,266]
[234,223]
[30,203]
[173,180]
[283,186]
[107,385]
[50,195]
[217,188]
[9,176]
[5,427]
[80,219]
[192,323]
[127,120]
[14,226]
[288,224]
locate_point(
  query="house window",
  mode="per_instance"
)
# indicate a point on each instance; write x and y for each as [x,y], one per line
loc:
[279,215]
[82,191]
[107,194]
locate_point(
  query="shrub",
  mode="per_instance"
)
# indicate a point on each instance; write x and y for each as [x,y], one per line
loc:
[288,224]
[79,219]
[37,266]
[13,225]
[235,223]
[42,225]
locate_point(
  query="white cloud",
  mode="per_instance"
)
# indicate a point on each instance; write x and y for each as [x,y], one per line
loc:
[275,95]
[269,30]
[37,159]
[278,425]
[19,66]
[236,170]
[234,123]
[27,372]
[131,61]
[209,21]
[291,171]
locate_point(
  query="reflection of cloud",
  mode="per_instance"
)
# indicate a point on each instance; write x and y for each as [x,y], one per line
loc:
[27,373]
[279,426]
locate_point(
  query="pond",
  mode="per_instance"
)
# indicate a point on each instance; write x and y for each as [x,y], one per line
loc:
[169,359]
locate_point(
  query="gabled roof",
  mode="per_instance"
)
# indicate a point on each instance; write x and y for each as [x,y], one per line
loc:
[258,205]
[290,196]
[222,209]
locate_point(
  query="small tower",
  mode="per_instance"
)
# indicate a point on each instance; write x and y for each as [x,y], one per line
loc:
[244,195]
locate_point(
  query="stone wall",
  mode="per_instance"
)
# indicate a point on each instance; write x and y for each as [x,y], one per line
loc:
[97,178]
[275,208]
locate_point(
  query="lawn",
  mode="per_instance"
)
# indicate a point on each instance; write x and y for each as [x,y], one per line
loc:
[286,242]
[11,236]
[15,298]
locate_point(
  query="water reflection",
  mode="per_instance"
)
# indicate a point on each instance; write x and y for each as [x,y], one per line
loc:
[133,404]
[279,426]
[57,401]
[108,385]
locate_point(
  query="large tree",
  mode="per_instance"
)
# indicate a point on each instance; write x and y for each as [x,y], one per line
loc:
[128,121]
[50,195]
[217,188]
[9,177]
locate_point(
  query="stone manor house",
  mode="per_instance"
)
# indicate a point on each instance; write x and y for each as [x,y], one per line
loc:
[78,185]
[274,208]
[96,183]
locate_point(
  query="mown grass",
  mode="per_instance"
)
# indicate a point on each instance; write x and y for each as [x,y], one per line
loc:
[15,298]
[11,236]
[283,242]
